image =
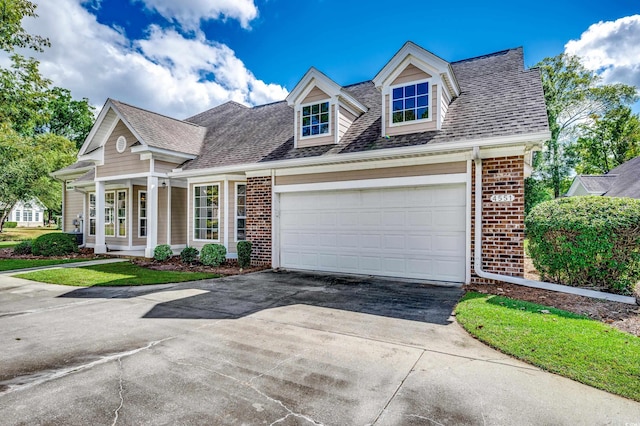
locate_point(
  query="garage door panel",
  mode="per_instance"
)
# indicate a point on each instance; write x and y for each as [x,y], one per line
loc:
[414,232]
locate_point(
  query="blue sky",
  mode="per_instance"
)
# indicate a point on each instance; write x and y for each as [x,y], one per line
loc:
[181,57]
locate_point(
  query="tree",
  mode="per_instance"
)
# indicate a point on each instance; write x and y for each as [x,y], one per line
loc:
[572,97]
[68,117]
[609,141]
[12,34]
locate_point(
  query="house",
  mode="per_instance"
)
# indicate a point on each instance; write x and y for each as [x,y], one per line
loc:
[28,213]
[623,181]
[374,178]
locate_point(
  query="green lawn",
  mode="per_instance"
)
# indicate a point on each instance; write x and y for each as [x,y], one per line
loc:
[21,234]
[558,341]
[11,264]
[112,274]
[8,244]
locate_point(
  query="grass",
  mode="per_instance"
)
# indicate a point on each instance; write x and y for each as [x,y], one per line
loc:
[11,264]
[112,274]
[561,342]
[20,234]
[8,244]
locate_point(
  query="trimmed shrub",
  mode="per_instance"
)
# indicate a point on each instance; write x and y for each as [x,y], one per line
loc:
[162,252]
[244,254]
[56,244]
[189,254]
[23,247]
[213,254]
[10,224]
[587,242]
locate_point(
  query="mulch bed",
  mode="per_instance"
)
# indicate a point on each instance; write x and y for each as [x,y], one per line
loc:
[83,253]
[230,267]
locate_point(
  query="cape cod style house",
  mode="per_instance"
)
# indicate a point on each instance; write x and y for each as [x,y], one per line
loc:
[378,177]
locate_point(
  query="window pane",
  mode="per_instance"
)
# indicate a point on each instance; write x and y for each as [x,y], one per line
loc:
[409,91]
[315,108]
[306,131]
[324,107]
[315,130]
[423,113]
[324,128]
[410,103]
[397,105]
[315,119]
[423,88]
[306,121]
[409,115]
[397,93]
[397,117]
[306,110]
[422,101]
[242,189]
[324,118]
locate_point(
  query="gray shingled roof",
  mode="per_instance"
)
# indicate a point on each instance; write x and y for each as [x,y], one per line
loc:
[627,182]
[74,167]
[160,131]
[499,98]
[597,184]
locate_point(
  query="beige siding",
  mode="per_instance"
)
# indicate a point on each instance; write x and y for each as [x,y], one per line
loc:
[316,95]
[136,240]
[318,140]
[404,129]
[178,216]
[164,166]
[446,100]
[163,218]
[345,121]
[198,244]
[409,74]
[116,163]
[73,205]
[390,172]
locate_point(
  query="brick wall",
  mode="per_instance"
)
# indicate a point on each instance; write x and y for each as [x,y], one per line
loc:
[503,222]
[259,219]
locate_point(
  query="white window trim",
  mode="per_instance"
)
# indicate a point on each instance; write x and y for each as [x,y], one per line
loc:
[193,211]
[115,222]
[322,135]
[389,109]
[236,217]
[95,208]
[117,216]
[146,200]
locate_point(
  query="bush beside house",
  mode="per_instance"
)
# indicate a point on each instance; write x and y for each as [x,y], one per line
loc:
[54,245]
[213,254]
[587,242]
[244,254]
[162,252]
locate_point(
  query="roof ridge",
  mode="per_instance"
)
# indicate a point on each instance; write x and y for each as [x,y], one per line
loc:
[153,112]
[488,55]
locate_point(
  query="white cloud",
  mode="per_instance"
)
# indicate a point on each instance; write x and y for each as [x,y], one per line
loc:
[164,72]
[189,13]
[611,48]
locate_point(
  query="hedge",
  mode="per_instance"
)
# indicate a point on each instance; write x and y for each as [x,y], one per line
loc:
[213,254]
[244,254]
[587,242]
[55,244]
[162,252]
[189,254]
[10,225]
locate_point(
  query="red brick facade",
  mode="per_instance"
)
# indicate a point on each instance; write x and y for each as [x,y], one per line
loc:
[259,219]
[503,222]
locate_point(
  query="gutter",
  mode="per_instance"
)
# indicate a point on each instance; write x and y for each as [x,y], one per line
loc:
[522,281]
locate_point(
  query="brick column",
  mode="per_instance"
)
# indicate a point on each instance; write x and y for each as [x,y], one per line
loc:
[502,222]
[259,219]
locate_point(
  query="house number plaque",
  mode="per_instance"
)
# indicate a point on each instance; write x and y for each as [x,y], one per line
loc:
[502,198]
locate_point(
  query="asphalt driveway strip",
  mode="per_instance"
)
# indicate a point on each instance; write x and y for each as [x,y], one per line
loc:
[284,348]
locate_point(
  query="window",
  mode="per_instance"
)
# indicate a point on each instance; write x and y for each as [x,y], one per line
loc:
[142,214]
[28,215]
[410,103]
[92,214]
[37,216]
[206,212]
[315,119]
[109,210]
[18,215]
[121,214]
[241,212]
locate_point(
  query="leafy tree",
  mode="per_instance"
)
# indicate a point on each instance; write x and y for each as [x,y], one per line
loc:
[68,117]
[12,34]
[609,141]
[573,97]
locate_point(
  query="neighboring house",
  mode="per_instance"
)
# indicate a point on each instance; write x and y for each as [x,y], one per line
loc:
[623,181]
[373,178]
[28,214]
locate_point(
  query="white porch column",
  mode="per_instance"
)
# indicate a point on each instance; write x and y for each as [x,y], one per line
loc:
[100,246]
[152,215]
[225,215]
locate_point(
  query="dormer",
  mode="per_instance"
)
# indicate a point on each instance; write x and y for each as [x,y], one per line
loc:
[417,88]
[324,111]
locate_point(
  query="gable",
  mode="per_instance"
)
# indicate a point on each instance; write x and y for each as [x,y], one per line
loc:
[410,73]
[121,163]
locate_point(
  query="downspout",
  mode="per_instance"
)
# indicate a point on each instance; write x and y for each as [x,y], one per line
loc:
[523,281]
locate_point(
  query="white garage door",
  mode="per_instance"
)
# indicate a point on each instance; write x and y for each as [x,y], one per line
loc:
[415,232]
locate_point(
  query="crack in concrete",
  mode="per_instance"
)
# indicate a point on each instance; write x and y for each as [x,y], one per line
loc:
[248,385]
[278,365]
[29,381]
[116,413]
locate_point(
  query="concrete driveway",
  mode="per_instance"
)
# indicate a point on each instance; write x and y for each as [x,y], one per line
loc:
[268,348]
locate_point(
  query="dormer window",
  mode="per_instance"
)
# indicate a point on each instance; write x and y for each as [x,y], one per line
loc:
[410,103]
[316,119]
